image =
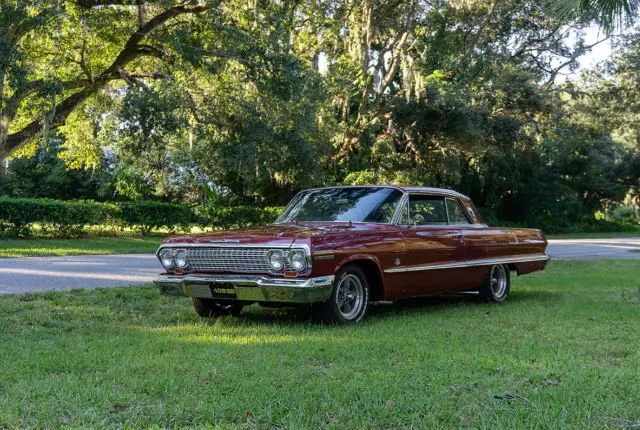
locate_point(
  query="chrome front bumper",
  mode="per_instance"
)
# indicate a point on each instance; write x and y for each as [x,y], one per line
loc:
[248,288]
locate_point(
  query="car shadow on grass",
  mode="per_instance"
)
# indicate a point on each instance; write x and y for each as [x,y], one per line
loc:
[384,310]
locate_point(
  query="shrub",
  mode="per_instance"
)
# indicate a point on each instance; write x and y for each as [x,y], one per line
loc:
[146,216]
[625,213]
[16,215]
[68,218]
[237,216]
[65,218]
[583,226]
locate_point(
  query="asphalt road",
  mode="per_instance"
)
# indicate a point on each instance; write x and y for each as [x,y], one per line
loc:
[581,249]
[22,275]
[30,274]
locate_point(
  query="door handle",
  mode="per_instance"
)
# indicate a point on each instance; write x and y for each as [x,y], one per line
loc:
[457,235]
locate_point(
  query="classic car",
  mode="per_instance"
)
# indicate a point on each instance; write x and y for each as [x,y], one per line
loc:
[340,248]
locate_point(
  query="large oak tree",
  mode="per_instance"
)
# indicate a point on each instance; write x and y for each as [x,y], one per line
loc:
[54,55]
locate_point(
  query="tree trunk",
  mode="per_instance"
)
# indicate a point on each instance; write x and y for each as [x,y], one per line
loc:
[4,128]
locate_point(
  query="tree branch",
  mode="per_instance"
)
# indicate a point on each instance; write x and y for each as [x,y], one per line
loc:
[131,50]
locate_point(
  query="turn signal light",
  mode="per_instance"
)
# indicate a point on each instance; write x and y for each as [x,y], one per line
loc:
[290,274]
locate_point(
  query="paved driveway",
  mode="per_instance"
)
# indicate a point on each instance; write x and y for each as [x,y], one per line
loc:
[22,275]
[580,249]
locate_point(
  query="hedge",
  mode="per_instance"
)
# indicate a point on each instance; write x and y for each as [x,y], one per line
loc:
[237,216]
[63,217]
[67,218]
[582,226]
[146,216]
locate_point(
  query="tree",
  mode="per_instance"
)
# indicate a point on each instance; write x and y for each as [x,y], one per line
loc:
[45,175]
[610,14]
[56,55]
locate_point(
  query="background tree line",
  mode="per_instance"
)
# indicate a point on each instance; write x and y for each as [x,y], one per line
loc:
[131,100]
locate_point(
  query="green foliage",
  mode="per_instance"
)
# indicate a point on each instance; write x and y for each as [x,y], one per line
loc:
[610,14]
[550,225]
[216,196]
[149,215]
[237,216]
[45,175]
[626,213]
[64,218]
[69,218]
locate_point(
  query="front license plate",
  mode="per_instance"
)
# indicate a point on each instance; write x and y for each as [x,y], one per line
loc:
[222,291]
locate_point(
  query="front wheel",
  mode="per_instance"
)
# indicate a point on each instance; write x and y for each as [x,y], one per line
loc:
[209,308]
[349,299]
[497,284]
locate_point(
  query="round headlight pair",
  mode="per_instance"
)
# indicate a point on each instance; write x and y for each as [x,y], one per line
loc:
[277,260]
[171,258]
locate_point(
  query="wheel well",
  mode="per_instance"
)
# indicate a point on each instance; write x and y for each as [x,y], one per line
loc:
[373,277]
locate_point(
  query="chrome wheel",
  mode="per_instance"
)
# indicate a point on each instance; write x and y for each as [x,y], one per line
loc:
[498,280]
[497,284]
[349,296]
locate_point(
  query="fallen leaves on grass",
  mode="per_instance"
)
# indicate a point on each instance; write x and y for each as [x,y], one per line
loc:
[512,397]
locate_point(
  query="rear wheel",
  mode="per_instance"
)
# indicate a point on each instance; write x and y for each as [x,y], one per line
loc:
[209,308]
[497,284]
[349,299]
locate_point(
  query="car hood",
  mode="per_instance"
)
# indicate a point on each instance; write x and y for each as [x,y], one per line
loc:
[275,234]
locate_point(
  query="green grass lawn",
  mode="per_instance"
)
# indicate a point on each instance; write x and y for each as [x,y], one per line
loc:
[81,246]
[562,352]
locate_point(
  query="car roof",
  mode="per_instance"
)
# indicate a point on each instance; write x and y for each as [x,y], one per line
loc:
[406,188]
[415,189]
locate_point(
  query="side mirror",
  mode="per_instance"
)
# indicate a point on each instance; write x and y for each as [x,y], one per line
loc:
[418,219]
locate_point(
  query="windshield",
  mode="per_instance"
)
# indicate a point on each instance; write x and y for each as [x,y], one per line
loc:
[357,204]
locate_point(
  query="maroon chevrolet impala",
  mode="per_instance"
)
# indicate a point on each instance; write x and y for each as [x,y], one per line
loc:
[338,249]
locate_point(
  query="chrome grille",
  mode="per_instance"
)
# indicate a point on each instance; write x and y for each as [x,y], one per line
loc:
[230,259]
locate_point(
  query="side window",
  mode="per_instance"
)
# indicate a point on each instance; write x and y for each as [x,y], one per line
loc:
[427,210]
[456,213]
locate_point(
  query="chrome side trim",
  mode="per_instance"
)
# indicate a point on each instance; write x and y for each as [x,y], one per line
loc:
[397,215]
[472,263]
[247,280]
[325,252]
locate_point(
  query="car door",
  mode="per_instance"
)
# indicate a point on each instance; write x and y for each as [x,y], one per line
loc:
[461,218]
[432,245]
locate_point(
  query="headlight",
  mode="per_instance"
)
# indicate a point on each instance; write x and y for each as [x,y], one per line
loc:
[180,258]
[275,259]
[166,258]
[298,260]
